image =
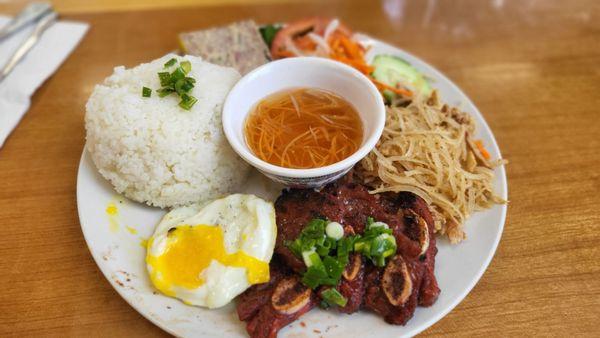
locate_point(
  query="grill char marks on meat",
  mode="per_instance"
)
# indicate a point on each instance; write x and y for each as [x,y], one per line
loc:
[345,202]
[292,216]
[393,291]
[418,208]
[257,296]
[352,285]
[385,290]
[271,306]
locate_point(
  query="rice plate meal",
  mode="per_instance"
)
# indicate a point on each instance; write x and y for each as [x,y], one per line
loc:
[376,167]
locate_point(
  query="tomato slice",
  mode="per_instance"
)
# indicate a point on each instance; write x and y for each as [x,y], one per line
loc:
[296,33]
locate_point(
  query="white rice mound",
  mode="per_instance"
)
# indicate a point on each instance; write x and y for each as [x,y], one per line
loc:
[155,152]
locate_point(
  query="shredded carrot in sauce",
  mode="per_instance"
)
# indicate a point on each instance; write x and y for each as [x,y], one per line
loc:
[303,128]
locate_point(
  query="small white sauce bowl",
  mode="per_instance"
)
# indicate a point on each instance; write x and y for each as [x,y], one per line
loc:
[304,72]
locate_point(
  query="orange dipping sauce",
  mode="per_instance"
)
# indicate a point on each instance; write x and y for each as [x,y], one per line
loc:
[303,128]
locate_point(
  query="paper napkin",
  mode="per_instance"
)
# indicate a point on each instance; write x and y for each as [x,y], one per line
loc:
[57,42]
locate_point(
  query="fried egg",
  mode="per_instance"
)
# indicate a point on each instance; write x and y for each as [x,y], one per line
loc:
[206,256]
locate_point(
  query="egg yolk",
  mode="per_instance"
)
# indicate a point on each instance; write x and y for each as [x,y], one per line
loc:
[189,250]
[111,209]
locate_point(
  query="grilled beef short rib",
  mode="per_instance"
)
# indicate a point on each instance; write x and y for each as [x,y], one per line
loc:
[393,291]
[268,307]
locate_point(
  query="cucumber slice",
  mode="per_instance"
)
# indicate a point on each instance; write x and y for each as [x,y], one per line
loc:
[394,71]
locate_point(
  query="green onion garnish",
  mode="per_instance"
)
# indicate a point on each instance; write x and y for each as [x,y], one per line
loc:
[313,277]
[334,230]
[334,297]
[326,257]
[187,101]
[312,258]
[333,267]
[376,243]
[183,86]
[344,247]
[177,74]
[170,62]
[165,78]
[312,235]
[186,65]
[176,82]
[165,91]
[146,92]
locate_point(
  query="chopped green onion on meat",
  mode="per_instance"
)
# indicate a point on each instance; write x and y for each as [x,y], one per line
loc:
[312,258]
[333,267]
[334,230]
[334,297]
[146,92]
[326,251]
[377,242]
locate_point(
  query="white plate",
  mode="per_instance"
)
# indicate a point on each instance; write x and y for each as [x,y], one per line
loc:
[115,244]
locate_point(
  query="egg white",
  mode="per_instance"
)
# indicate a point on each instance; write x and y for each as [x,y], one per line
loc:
[247,223]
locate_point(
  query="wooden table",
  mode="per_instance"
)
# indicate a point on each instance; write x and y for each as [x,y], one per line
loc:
[532,68]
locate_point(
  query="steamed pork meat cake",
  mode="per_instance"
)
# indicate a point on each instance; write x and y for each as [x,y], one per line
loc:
[150,148]
[238,45]
[207,256]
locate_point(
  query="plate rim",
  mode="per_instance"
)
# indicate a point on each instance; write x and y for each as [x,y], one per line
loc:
[501,175]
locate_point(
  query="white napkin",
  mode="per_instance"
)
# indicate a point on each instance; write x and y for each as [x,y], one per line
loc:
[57,42]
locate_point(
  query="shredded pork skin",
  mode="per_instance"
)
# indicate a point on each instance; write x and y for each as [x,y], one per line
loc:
[426,148]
